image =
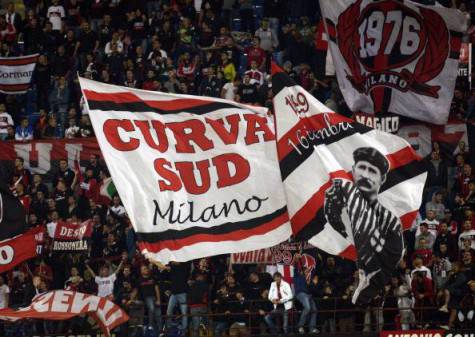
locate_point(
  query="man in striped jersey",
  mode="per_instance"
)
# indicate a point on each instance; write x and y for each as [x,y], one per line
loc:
[377,233]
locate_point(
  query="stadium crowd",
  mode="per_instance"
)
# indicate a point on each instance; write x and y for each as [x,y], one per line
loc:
[218,48]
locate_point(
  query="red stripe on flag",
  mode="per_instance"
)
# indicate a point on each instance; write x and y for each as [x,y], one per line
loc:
[18,62]
[307,212]
[128,97]
[315,122]
[155,247]
[455,43]
[13,87]
[331,30]
[349,253]
[402,157]
[408,219]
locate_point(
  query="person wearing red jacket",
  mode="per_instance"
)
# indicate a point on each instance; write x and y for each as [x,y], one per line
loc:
[424,294]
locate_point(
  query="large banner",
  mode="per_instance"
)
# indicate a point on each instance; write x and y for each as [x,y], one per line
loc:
[395,56]
[16,73]
[70,237]
[41,156]
[64,304]
[19,249]
[283,253]
[197,176]
[350,189]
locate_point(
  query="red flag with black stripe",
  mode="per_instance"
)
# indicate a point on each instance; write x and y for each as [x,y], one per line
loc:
[351,190]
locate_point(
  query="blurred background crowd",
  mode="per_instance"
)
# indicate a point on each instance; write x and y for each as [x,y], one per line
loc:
[218,48]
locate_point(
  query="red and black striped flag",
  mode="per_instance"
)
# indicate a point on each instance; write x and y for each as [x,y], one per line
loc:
[350,189]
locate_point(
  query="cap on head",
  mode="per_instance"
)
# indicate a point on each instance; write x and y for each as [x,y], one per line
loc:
[372,156]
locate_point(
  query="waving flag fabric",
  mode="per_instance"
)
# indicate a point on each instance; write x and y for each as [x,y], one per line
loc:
[395,56]
[350,189]
[198,176]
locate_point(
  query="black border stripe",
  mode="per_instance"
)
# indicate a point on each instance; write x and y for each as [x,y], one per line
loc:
[141,106]
[293,159]
[173,234]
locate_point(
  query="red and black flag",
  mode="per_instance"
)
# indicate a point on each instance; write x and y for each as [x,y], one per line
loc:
[350,189]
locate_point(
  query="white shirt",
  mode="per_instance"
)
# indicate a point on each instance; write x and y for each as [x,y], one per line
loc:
[467,235]
[55,14]
[285,294]
[431,225]
[423,269]
[117,210]
[5,121]
[108,47]
[163,54]
[229,91]
[4,290]
[105,285]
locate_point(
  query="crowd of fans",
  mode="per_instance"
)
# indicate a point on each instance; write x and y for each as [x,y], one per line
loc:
[219,48]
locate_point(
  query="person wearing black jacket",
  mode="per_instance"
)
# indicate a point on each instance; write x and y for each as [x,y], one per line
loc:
[198,302]
[262,313]
[221,310]
[239,316]
[254,287]
[150,295]
[179,275]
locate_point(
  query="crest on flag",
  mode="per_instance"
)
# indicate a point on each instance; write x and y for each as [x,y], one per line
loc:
[395,56]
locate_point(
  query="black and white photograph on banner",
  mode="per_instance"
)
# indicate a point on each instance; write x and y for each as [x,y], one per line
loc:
[377,232]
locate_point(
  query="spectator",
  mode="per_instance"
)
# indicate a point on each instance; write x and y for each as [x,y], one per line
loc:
[5,121]
[423,292]
[256,53]
[467,234]
[302,278]
[267,38]
[24,132]
[248,92]
[437,173]
[179,274]
[431,223]
[221,310]
[424,234]
[105,280]
[150,294]
[198,300]
[230,89]
[280,294]
[436,206]
[56,14]
[238,309]
[441,267]
[4,293]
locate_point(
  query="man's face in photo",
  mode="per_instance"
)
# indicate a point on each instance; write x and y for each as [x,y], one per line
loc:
[368,178]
